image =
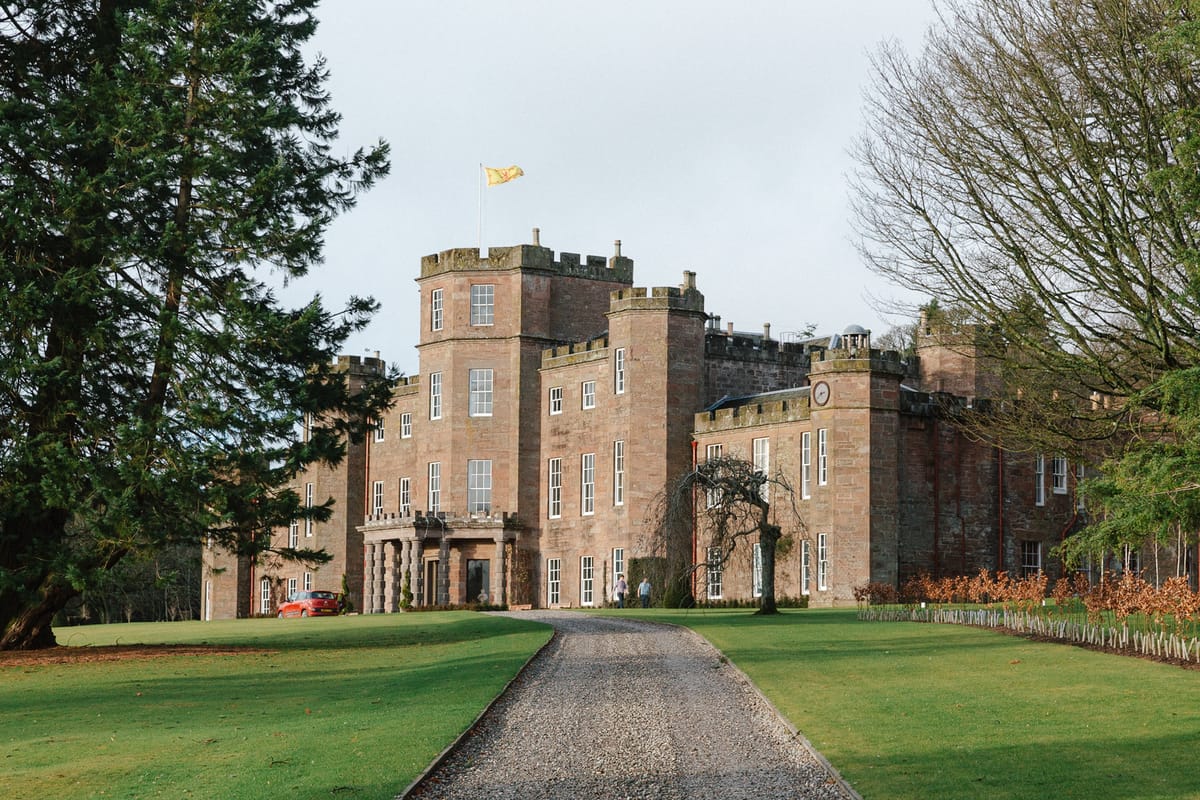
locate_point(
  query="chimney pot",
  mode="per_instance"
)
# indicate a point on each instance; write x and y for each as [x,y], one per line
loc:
[537,237]
[616,248]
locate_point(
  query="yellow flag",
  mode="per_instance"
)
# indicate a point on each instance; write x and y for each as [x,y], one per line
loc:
[502,174]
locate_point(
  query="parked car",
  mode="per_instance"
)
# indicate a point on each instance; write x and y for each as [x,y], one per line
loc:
[310,604]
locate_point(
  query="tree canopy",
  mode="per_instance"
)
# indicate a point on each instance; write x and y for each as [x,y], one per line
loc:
[726,503]
[1150,493]
[1019,169]
[162,163]
[1035,169]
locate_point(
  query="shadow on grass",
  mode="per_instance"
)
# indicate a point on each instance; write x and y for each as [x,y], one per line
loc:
[327,714]
[908,710]
[351,632]
[1108,767]
[310,687]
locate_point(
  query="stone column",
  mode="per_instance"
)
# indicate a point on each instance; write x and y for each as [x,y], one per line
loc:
[379,578]
[406,546]
[499,593]
[391,594]
[418,572]
[369,579]
[443,589]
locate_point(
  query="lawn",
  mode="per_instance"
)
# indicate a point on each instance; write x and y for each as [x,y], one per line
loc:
[909,710]
[347,707]
[355,707]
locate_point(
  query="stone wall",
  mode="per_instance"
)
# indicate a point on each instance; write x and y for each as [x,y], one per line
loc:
[905,490]
[738,364]
[659,332]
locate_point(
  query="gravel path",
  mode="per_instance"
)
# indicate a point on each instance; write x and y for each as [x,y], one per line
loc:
[616,708]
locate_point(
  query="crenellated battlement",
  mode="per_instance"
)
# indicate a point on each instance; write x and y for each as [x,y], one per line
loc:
[441,521]
[358,365]
[746,363]
[751,347]
[789,405]
[575,352]
[408,385]
[847,360]
[928,404]
[659,298]
[529,257]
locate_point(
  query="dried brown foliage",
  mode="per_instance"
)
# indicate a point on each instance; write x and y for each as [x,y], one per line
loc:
[877,594]
[1124,595]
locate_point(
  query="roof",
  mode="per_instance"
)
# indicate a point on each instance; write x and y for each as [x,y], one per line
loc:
[729,401]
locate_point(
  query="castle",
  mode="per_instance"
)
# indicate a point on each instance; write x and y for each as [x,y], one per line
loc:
[555,401]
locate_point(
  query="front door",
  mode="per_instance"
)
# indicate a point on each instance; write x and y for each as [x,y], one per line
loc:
[477,581]
[431,582]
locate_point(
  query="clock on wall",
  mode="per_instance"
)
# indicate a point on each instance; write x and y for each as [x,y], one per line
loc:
[820,393]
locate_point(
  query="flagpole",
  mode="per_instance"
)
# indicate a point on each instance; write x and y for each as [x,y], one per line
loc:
[494,175]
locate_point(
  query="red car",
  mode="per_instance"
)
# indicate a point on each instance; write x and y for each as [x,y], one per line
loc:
[310,604]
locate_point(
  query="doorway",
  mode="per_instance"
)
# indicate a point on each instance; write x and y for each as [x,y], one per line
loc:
[477,581]
[431,582]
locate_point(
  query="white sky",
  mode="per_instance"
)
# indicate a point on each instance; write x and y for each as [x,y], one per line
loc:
[706,135]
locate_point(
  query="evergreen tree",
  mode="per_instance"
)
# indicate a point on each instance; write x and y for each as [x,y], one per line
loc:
[1150,493]
[158,158]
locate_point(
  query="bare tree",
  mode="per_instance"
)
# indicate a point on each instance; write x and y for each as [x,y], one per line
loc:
[1014,171]
[725,505]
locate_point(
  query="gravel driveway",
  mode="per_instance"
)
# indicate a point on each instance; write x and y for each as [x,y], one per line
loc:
[616,708]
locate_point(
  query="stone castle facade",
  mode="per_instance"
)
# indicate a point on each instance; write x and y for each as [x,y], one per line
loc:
[555,401]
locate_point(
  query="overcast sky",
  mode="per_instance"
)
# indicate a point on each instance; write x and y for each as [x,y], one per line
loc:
[706,136]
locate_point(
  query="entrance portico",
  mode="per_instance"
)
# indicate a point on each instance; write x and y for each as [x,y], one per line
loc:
[447,560]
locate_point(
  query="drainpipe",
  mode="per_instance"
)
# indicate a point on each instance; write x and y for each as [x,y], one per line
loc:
[1062,535]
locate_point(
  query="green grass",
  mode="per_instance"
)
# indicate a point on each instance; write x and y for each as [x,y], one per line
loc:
[355,707]
[347,707]
[908,710]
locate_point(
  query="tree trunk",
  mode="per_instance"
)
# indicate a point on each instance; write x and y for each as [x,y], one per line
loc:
[768,536]
[29,629]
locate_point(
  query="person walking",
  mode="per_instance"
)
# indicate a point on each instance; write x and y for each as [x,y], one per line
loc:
[620,590]
[644,592]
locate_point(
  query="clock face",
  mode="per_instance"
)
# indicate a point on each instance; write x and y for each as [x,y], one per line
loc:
[820,393]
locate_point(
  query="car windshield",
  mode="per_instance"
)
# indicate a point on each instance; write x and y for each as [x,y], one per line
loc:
[323,596]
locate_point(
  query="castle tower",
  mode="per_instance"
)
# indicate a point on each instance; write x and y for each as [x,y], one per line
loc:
[497,316]
[855,417]
[617,429]
[953,358]
[663,335]
[467,450]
